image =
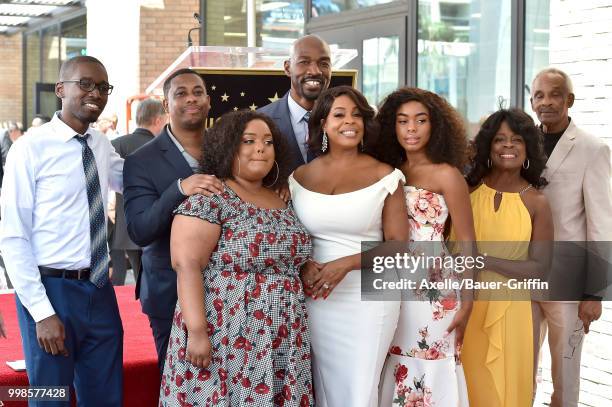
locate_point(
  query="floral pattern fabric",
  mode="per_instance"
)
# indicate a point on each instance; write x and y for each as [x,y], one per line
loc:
[255,308]
[423,368]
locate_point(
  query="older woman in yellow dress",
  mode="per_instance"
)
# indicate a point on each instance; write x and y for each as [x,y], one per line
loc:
[513,224]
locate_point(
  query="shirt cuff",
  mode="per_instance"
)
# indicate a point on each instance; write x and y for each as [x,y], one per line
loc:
[178,183]
[41,310]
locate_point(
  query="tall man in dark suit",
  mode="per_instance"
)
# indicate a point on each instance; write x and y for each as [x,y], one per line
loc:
[157,178]
[150,119]
[309,67]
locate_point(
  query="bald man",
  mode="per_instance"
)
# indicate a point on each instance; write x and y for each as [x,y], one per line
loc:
[309,67]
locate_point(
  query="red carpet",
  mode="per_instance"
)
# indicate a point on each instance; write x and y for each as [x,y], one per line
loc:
[141,378]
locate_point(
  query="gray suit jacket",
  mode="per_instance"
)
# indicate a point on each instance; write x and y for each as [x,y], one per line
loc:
[580,195]
[126,145]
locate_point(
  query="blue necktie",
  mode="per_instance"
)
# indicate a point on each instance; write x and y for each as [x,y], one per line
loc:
[309,155]
[97,223]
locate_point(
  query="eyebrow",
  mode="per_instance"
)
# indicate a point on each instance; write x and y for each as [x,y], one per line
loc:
[418,114]
[255,134]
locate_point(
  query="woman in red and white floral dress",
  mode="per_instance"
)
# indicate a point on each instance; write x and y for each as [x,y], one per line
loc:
[240,335]
[423,136]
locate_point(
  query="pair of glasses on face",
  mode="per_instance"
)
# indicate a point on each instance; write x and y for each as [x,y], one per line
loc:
[88,85]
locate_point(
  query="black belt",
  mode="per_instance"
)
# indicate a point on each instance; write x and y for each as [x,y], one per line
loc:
[81,274]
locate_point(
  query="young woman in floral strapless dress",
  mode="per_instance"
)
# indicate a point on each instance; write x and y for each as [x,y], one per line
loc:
[423,136]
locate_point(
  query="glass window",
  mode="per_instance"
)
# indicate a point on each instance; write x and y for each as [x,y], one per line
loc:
[226,22]
[74,38]
[322,7]
[380,67]
[281,23]
[537,25]
[464,54]
[32,75]
[278,23]
[50,54]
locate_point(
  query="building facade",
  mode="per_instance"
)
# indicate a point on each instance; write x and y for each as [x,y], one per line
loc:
[478,54]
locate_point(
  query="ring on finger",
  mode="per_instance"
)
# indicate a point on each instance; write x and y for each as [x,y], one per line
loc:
[326,286]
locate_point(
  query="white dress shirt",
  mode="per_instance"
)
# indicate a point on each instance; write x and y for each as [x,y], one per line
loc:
[45,212]
[300,126]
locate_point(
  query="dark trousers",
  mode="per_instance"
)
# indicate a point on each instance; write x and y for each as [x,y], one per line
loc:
[94,340]
[161,334]
[120,264]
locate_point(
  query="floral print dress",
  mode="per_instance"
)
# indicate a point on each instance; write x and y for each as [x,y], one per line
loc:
[255,308]
[422,368]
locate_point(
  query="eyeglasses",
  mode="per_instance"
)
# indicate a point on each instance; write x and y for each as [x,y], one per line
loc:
[88,85]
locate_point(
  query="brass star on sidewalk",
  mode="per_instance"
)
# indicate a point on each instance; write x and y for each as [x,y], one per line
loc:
[274,98]
[224,97]
[253,106]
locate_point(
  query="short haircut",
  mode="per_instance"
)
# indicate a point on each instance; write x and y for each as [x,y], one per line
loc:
[148,110]
[179,72]
[12,126]
[321,110]
[222,141]
[69,65]
[520,123]
[555,71]
[305,38]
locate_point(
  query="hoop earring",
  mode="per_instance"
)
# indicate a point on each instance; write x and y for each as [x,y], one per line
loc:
[361,145]
[238,166]
[489,165]
[526,166]
[277,174]
[324,142]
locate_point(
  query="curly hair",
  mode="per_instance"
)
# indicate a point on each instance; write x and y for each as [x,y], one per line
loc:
[520,123]
[321,110]
[448,139]
[222,141]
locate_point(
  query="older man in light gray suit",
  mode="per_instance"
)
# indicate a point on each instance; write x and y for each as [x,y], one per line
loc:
[579,174]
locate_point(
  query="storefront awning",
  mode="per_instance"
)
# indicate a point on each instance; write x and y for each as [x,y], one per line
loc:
[17,15]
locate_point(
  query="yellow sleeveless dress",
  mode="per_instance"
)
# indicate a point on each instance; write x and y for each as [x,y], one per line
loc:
[497,352]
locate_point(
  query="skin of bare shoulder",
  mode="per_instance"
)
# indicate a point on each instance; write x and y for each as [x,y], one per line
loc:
[535,201]
[322,175]
[435,177]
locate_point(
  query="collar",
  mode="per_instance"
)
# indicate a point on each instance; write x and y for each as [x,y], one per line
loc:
[174,140]
[65,132]
[144,132]
[296,111]
[558,134]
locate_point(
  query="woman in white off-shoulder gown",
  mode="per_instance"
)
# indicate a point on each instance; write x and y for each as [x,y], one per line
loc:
[345,197]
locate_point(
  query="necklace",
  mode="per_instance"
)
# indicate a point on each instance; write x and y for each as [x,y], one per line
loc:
[521,192]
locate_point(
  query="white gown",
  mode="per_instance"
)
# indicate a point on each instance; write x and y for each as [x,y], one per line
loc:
[349,337]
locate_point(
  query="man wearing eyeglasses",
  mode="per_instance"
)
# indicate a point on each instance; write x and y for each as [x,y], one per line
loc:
[53,239]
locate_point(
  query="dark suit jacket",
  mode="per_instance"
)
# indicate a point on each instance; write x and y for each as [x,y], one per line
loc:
[124,146]
[151,193]
[279,112]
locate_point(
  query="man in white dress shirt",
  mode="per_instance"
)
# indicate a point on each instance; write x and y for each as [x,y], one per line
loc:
[53,239]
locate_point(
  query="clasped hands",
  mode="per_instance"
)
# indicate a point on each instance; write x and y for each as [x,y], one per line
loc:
[320,279]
